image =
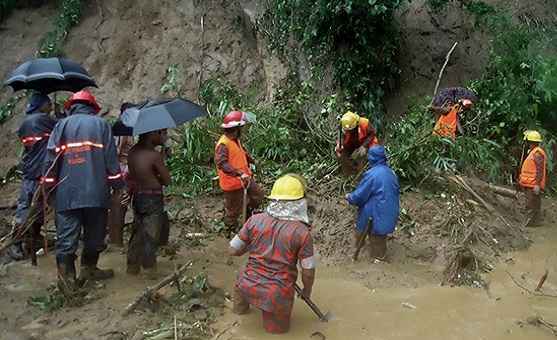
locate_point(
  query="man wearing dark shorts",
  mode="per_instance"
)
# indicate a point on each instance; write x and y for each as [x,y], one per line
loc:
[149,175]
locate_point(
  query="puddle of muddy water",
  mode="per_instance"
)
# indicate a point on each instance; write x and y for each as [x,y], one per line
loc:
[442,313]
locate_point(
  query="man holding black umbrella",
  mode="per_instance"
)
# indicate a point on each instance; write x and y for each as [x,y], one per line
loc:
[83,166]
[33,133]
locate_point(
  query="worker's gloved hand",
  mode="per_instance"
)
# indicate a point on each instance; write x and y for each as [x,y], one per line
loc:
[537,189]
[245,178]
[360,152]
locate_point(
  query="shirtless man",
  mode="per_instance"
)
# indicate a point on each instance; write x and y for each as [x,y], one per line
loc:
[148,176]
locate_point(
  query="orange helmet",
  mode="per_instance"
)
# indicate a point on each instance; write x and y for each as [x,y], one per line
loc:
[234,119]
[82,96]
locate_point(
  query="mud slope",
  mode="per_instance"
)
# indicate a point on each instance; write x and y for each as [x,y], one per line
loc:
[128,46]
[20,35]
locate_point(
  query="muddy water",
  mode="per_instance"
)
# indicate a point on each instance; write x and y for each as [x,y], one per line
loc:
[363,312]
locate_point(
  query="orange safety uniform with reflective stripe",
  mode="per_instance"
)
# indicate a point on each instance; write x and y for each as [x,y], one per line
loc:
[527,177]
[363,127]
[446,124]
[238,159]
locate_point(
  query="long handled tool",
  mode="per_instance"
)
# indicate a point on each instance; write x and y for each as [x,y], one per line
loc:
[245,205]
[362,240]
[323,317]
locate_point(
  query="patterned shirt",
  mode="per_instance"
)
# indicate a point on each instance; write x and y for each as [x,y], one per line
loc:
[275,247]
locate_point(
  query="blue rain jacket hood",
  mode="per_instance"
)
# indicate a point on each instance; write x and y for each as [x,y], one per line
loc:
[88,165]
[377,196]
[36,101]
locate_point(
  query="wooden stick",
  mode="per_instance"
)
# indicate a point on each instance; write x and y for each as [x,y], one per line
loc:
[443,70]
[542,281]
[175,329]
[149,291]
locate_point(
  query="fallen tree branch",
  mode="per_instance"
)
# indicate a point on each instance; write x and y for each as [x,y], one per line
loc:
[447,58]
[542,281]
[149,291]
[528,290]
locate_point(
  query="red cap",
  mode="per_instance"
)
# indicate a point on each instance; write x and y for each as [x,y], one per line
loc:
[234,119]
[85,97]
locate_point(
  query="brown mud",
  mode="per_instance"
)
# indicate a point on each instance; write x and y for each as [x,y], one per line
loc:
[399,299]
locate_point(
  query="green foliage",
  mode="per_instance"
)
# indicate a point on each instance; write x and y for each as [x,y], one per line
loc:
[68,16]
[48,303]
[7,109]
[518,89]
[6,7]
[279,141]
[437,5]
[415,153]
[359,39]
[480,10]
[172,79]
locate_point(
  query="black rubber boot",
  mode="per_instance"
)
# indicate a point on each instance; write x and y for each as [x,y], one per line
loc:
[15,251]
[89,270]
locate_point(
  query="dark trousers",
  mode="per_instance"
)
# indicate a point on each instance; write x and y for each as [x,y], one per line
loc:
[533,207]
[28,188]
[69,226]
[233,201]
[149,229]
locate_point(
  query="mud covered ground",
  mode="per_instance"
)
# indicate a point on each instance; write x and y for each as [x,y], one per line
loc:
[359,294]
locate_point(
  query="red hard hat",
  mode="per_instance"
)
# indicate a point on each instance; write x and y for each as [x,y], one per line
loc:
[234,119]
[85,97]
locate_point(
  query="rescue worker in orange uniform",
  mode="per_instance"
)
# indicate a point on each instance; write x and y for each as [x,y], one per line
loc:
[533,176]
[235,175]
[448,121]
[359,136]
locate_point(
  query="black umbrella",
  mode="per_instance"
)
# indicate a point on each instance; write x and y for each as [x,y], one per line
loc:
[165,114]
[48,75]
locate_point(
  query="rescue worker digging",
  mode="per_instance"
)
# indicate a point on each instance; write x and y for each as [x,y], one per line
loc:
[149,174]
[82,155]
[377,197]
[33,133]
[235,175]
[533,176]
[359,136]
[276,241]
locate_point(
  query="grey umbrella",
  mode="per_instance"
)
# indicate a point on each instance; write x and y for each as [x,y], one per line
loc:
[165,114]
[48,75]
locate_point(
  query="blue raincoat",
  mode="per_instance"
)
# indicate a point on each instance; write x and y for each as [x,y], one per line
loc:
[377,196]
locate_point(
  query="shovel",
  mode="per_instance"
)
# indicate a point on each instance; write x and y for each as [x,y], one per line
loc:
[323,317]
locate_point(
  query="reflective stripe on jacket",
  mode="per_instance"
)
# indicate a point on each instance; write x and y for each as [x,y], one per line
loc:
[33,133]
[237,158]
[446,124]
[87,164]
[528,173]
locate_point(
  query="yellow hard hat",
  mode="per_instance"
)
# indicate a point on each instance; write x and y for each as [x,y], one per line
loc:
[349,120]
[532,136]
[287,188]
